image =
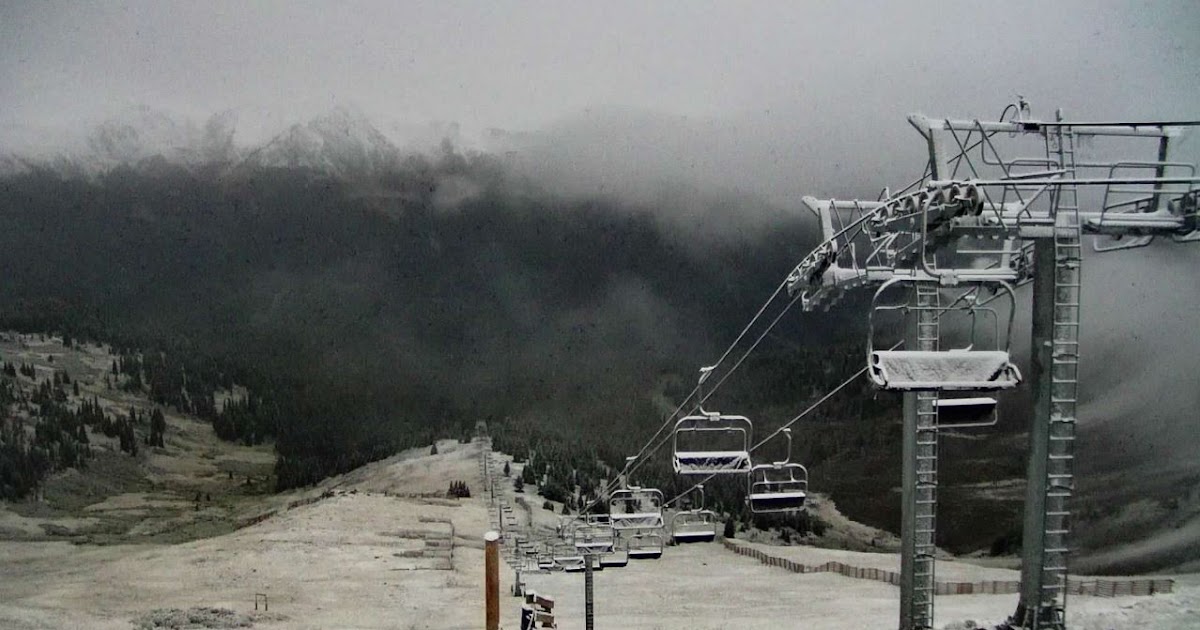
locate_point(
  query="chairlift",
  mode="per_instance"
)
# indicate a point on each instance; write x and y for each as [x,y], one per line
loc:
[645,544]
[574,564]
[598,519]
[594,539]
[778,487]
[694,525]
[635,508]
[711,430]
[958,369]
[530,560]
[691,526]
[618,556]
[567,526]
[568,558]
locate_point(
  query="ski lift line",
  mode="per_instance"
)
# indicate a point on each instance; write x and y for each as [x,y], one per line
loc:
[670,418]
[632,464]
[787,425]
[729,373]
[635,462]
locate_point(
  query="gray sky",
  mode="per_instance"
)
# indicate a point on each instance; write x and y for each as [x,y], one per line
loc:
[780,99]
[528,65]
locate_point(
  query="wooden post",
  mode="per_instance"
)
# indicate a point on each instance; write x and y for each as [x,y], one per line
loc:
[491,562]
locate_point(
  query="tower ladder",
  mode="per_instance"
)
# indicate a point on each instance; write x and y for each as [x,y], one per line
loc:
[1050,612]
[925,543]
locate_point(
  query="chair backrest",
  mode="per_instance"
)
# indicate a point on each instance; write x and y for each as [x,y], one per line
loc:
[636,508]
[777,488]
[712,443]
[961,369]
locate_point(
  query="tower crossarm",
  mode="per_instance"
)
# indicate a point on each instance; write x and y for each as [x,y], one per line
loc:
[1178,218]
[1116,177]
[874,241]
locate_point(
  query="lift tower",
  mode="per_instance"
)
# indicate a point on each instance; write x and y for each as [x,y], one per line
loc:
[1000,203]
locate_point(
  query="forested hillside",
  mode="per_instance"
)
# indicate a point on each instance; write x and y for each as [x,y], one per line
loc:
[365,318]
[370,321]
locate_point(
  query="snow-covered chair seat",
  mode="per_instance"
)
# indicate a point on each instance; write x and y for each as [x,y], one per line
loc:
[944,370]
[711,462]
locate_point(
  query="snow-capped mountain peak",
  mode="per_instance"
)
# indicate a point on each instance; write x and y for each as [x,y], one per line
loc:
[340,143]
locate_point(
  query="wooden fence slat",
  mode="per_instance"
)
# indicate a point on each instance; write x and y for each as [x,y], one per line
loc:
[1096,588]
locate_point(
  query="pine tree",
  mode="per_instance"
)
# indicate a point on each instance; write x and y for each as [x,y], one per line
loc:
[158,427]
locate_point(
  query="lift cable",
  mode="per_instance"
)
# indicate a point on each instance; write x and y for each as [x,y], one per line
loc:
[787,425]
[635,462]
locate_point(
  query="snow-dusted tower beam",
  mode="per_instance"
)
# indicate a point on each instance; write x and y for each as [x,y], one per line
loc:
[1006,203]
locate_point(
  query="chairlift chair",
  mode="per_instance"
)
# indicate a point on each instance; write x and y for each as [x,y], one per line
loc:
[594,539]
[734,433]
[618,556]
[568,558]
[958,369]
[530,560]
[778,487]
[635,508]
[567,526]
[646,544]
[696,524]
[598,519]
[574,564]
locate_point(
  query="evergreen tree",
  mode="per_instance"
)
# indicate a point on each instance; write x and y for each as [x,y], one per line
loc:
[158,427]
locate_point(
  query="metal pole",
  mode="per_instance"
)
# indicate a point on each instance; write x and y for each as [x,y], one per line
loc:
[491,585]
[908,512]
[1041,350]
[908,486]
[588,620]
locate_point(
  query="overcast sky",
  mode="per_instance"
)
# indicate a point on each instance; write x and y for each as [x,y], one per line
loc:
[774,98]
[527,65]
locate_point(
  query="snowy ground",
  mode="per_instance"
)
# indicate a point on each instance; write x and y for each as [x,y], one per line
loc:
[357,560]
[349,561]
[704,586]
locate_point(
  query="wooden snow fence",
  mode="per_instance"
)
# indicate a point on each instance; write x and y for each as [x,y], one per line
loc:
[254,520]
[1075,586]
